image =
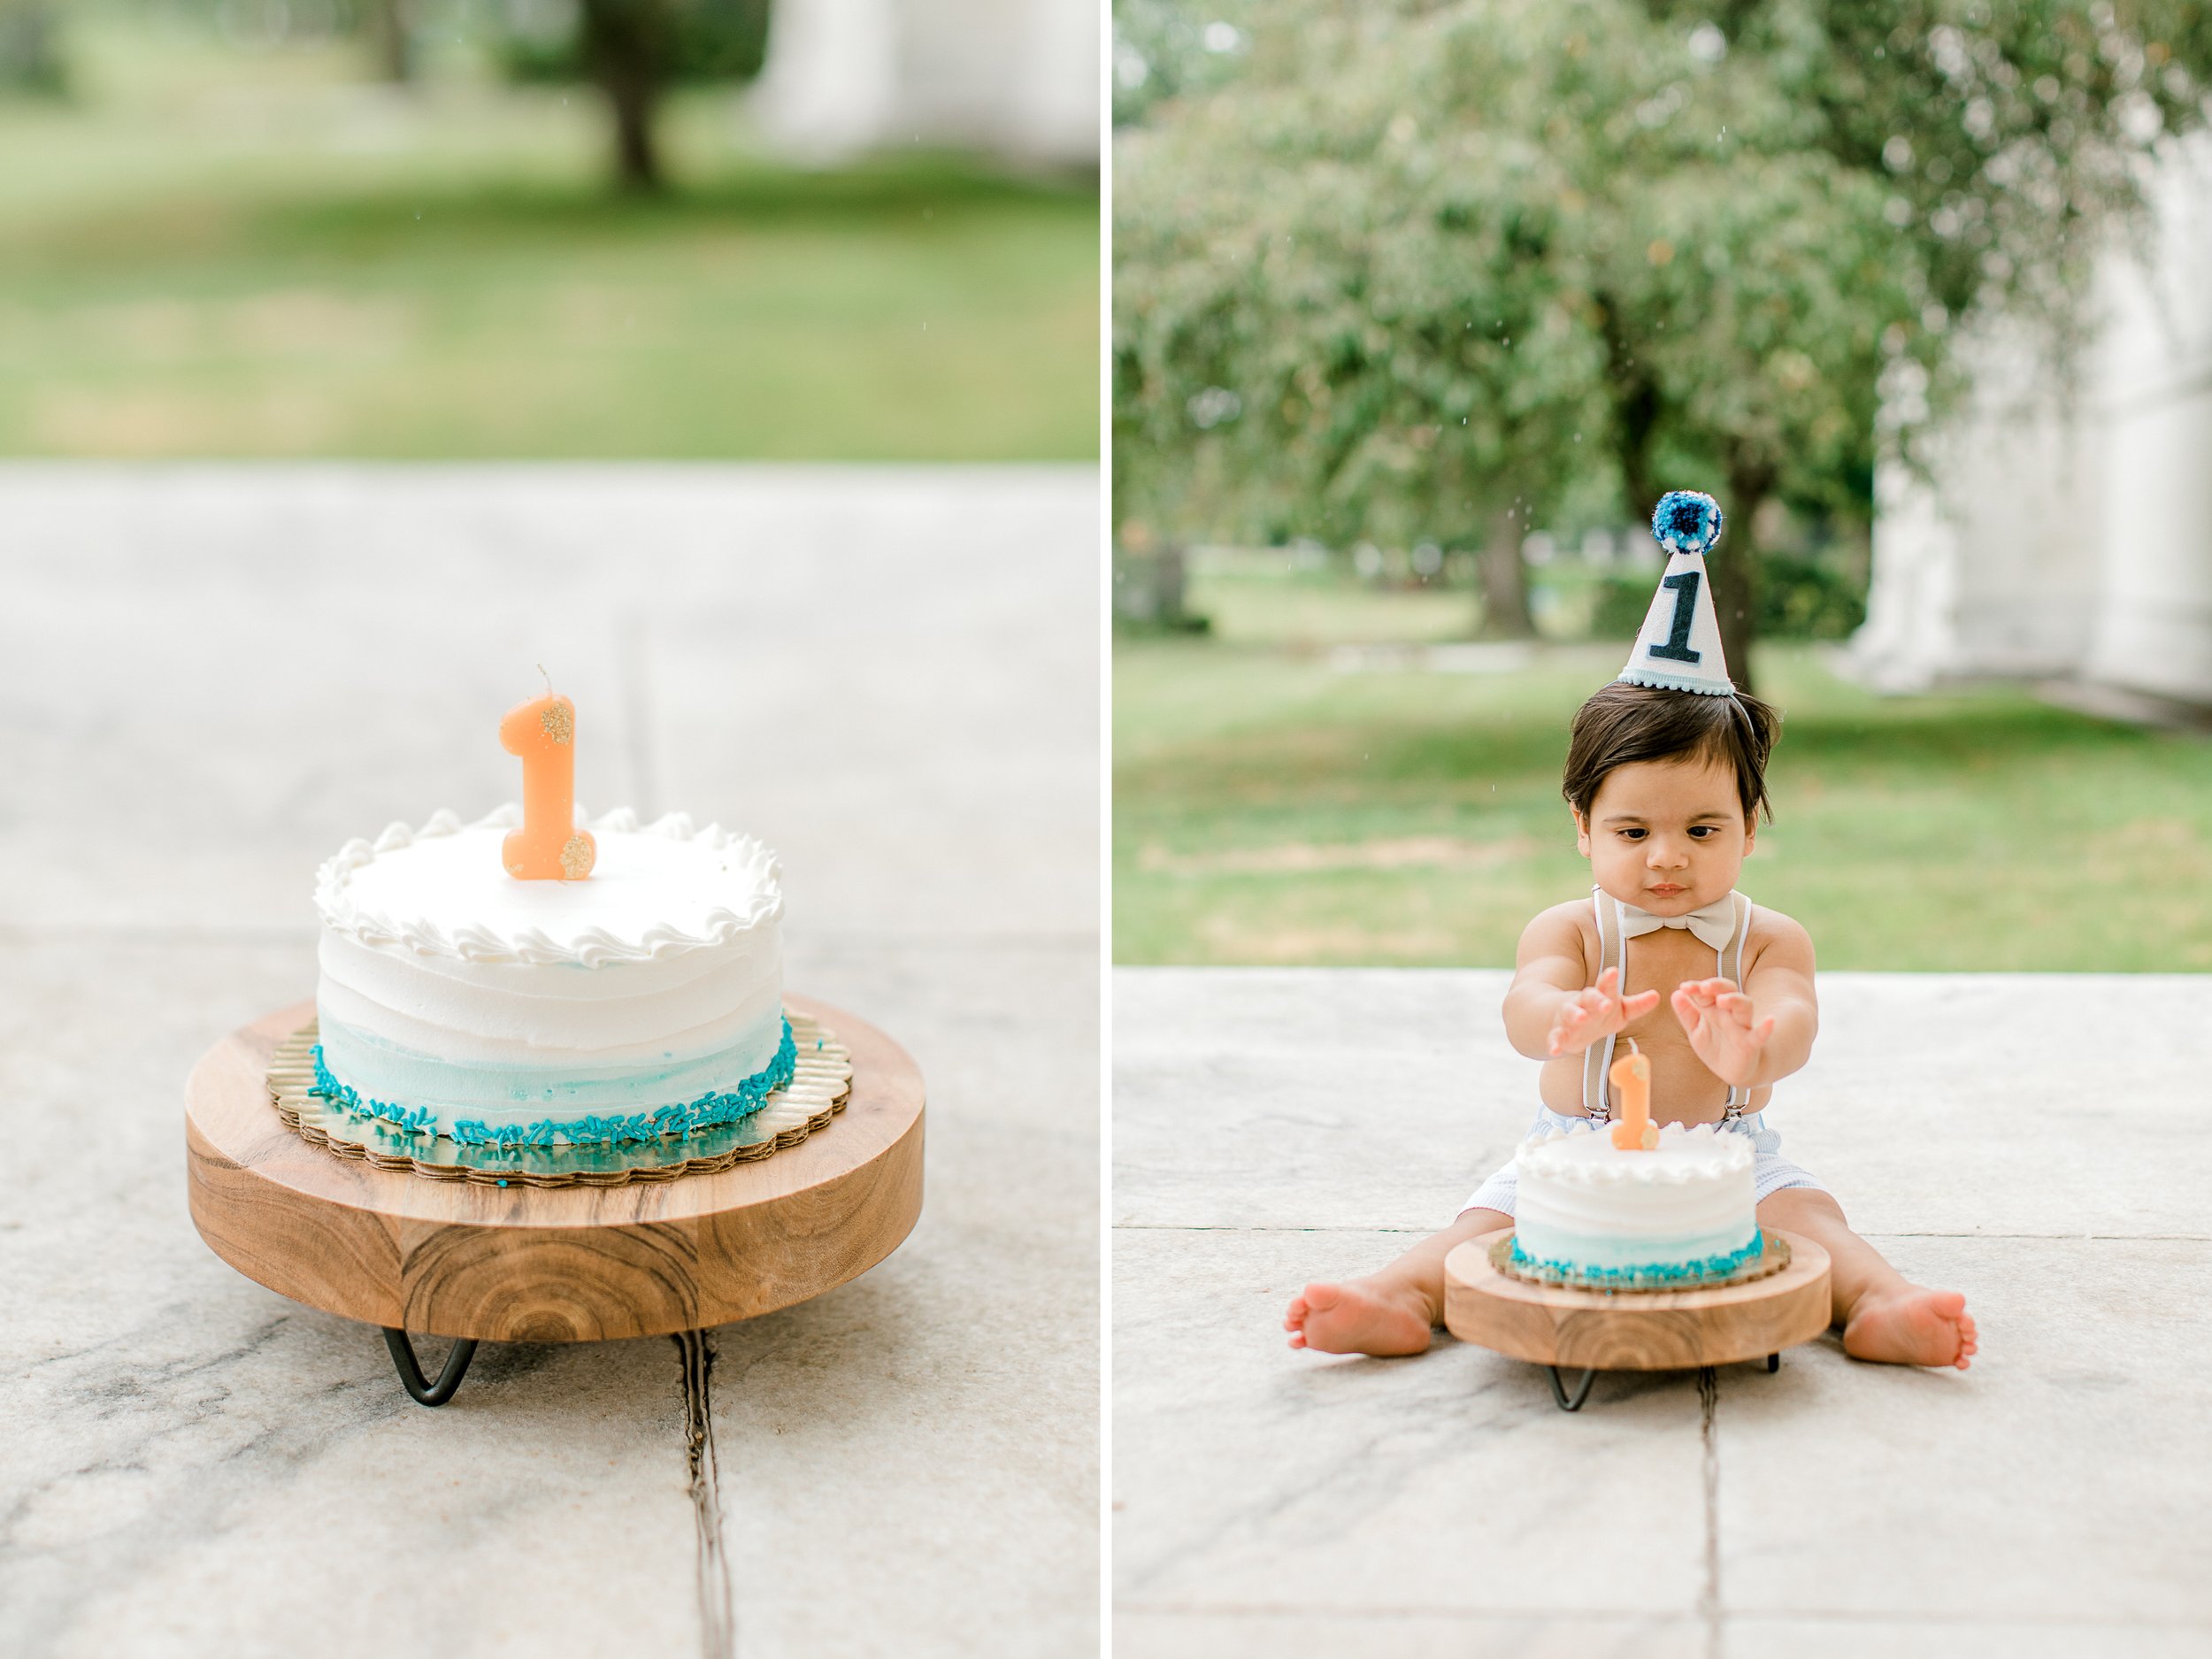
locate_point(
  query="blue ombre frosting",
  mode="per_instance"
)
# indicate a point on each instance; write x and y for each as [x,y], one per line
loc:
[562,1084]
[712,1108]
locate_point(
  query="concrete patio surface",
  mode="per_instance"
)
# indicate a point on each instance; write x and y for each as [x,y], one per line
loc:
[213,677]
[2043,1143]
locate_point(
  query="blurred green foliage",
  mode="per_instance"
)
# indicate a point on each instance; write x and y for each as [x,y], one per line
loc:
[229,244]
[1800,598]
[1395,270]
[1164,50]
[698,41]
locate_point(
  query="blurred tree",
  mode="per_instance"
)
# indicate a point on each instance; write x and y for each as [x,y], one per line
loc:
[390,27]
[30,48]
[1729,243]
[1347,322]
[634,51]
[1166,49]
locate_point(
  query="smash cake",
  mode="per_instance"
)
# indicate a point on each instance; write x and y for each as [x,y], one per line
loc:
[533,979]
[1672,1210]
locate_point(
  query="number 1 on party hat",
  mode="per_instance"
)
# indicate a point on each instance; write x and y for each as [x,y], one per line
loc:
[1680,647]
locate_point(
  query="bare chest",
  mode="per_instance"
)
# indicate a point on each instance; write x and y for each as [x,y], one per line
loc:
[1682,1089]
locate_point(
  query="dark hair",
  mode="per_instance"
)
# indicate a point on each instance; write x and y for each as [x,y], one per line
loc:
[1623,724]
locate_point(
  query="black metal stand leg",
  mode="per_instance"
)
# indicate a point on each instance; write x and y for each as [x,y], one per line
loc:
[410,1378]
[1774,1363]
[1582,1388]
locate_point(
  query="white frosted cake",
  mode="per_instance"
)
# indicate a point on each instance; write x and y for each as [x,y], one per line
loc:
[1589,1211]
[645,1002]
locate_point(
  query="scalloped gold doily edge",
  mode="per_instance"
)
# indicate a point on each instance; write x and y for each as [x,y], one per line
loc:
[825,1074]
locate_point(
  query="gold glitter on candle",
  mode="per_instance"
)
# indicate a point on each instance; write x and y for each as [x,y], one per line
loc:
[560,722]
[577,857]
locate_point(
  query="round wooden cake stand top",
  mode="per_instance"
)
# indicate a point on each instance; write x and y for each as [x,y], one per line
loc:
[550,1264]
[1664,1330]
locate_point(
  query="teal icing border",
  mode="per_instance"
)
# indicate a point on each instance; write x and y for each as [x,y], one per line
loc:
[1655,1273]
[708,1111]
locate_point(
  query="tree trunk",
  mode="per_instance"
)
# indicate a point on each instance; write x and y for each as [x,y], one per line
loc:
[391,26]
[1505,614]
[1734,566]
[625,47]
[637,162]
[1635,400]
[1170,582]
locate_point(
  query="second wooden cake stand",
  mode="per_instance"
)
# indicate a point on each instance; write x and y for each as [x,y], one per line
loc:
[521,1263]
[1664,1330]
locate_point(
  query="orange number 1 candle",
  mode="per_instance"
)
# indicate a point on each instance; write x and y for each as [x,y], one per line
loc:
[1631,1075]
[549,847]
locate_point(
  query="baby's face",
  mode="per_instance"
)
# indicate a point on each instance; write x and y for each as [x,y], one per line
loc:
[1667,836]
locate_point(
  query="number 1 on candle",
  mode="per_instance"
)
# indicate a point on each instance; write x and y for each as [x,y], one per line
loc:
[549,847]
[1631,1075]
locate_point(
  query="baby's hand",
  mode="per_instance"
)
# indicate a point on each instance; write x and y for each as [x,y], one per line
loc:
[1593,1015]
[1717,1019]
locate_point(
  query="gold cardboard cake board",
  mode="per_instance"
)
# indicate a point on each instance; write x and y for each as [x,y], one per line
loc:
[1774,1255]
[817,1093]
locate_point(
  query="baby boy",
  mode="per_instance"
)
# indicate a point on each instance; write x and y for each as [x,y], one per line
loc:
[1666,787]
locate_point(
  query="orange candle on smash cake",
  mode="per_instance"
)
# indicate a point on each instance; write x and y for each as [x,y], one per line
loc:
[549,847]
[1631,1075]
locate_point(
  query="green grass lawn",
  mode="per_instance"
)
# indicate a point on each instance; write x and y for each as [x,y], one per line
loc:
[1270,809]
[209,251]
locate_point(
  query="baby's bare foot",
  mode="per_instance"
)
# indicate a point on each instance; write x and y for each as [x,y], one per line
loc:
[1912,1326]
[1357,1317]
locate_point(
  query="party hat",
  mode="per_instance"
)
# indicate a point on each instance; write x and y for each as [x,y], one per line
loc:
[1680,648]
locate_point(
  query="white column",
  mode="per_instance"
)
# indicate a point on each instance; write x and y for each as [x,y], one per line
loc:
[2153,627]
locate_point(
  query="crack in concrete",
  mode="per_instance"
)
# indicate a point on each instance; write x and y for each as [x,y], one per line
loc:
[1708,1602]
[197,1504]
[717,1620]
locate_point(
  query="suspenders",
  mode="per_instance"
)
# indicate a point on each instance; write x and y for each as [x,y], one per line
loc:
[1731,968]
[1597,1064]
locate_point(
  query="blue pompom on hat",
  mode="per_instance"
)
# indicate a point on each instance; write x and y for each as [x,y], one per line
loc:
[1687,521]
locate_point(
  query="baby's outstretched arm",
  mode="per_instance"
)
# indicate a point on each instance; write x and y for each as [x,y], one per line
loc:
[1548,1011]
[1764,1031]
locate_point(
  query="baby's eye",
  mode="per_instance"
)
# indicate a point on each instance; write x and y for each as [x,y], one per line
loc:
[1700,830]
[1632,834]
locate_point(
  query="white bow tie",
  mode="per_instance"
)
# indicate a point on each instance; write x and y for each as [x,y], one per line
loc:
[1715,923]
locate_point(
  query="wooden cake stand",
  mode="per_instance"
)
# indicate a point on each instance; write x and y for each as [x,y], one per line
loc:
[522,1264]
[1657,1330]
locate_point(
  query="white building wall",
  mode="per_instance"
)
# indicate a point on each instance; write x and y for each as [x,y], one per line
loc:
[2057,543]
[1989,566]
[1017,77]
[2153,629]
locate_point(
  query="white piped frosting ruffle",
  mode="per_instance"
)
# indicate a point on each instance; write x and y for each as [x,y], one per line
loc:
[1686,1156]
[747,872]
